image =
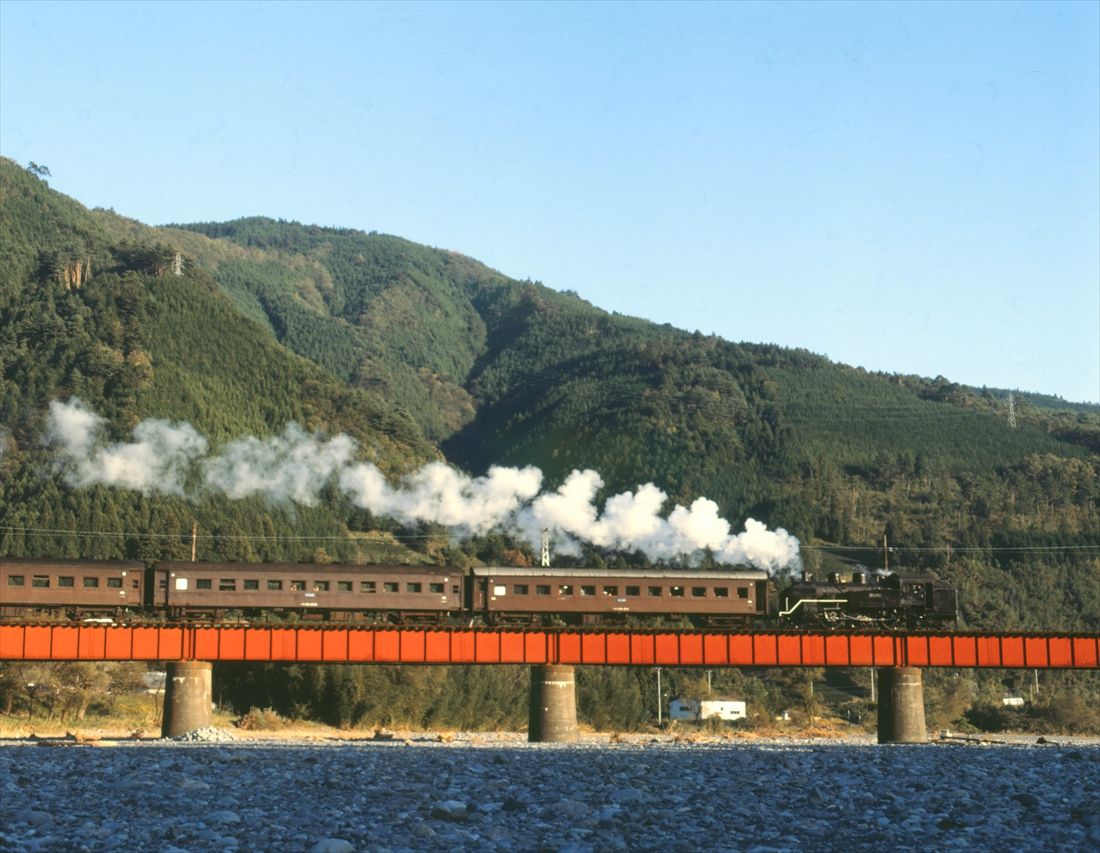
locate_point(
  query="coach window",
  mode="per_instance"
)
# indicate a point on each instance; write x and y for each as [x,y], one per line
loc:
[368,586]
[343,586]
[698,592]
[274,586]
[656,591]
[565,589]
[251,585]
[17,580]
[320,586]
[610,590]
[114,583]
[66,581]
[588,590]
[437,587]
[40,581]
[414,587]
[721,592]
[201,583]
[676,592]
[91,583]
[389,586]
[298,586]
[633,590]
[542,589]
[742,592]
[227,585]
[519,589]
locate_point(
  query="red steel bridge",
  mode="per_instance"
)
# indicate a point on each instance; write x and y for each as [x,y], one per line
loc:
[568,646]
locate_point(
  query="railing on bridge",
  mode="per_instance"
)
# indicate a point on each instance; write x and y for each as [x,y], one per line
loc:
[637,647]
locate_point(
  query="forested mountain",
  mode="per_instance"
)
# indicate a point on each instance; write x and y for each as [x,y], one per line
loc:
[418,352]
[89,308]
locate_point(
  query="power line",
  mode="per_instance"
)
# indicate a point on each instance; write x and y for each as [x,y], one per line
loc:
[246,537]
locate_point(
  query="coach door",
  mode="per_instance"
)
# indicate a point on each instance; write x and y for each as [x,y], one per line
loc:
[156,589]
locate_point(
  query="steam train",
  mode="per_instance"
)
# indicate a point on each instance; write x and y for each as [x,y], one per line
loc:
[893,600]
[107,590]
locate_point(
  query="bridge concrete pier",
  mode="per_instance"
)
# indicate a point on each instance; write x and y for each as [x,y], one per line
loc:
[187,694]
[553,717]
[901,705]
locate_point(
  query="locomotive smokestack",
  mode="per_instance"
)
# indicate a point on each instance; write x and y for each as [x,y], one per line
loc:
[859,577]
[807,577]
[834,577]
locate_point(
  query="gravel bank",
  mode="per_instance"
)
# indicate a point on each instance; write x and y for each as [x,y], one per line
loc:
[424,795]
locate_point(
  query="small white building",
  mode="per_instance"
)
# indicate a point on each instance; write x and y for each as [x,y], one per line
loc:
[1013,701]
[694,709]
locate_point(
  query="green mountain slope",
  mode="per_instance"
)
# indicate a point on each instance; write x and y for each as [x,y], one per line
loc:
[89,308]
[415,350]
[561,384]
[377,311]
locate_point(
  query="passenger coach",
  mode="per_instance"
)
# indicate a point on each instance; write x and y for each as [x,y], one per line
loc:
[82,588]
[584,596]
[212,590]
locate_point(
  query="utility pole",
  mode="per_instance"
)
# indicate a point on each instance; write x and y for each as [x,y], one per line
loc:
[885,554]
[659,718]
[872,685]
[194,538]
[544,559]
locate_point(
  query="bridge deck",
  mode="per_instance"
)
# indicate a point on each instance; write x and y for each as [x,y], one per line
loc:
[635,647]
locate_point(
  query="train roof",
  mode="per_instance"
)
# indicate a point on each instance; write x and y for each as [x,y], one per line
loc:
[327,568]
[642,574]
[49,562]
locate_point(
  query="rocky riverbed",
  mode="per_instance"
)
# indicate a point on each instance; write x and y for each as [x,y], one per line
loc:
[488,794]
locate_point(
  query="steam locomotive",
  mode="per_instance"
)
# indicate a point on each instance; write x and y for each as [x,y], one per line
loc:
[213,592]
[888,600]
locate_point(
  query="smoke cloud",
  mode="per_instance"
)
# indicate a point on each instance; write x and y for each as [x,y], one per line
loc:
[633,521]
[295,467]
[440,494]
[157,460]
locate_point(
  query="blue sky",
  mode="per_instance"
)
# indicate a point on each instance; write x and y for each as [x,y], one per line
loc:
[912,188]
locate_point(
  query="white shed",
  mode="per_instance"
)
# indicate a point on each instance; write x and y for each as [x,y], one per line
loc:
[694,709]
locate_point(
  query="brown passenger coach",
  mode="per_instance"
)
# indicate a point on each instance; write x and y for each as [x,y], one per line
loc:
[582,596]
[82,588]
[212,589]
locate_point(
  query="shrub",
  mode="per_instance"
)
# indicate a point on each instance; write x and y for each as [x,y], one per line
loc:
[262,719]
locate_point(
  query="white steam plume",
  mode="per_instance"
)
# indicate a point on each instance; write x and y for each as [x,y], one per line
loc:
[632,521]
[157,460]
[440,494]
[295,466]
